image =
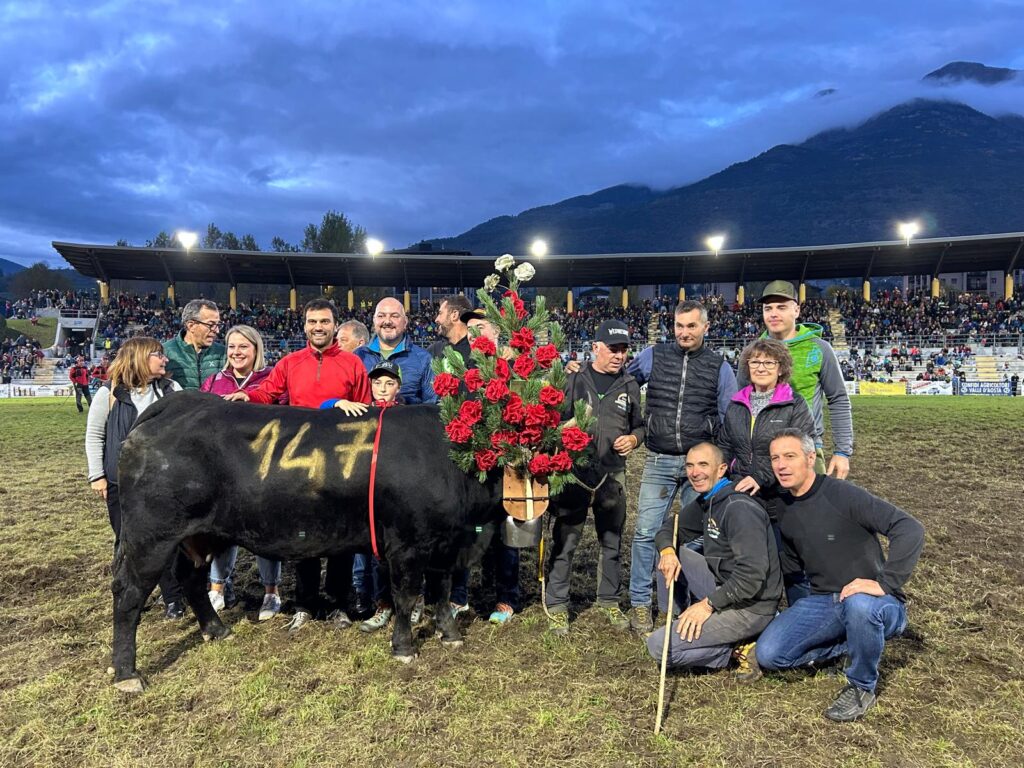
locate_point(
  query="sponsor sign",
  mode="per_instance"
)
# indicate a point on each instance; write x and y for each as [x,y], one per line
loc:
[931,388]
[985,388]
[851,387]
[33,390]
[883,388]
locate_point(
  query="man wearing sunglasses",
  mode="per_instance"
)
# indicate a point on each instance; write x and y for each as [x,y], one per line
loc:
[195,354]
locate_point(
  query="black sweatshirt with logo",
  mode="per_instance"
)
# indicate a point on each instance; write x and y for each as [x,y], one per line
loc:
[831,532]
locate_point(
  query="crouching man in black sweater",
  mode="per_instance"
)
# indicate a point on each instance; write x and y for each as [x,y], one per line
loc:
[830,529]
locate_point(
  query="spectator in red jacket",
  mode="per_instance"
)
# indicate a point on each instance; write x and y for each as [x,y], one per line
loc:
[79,376]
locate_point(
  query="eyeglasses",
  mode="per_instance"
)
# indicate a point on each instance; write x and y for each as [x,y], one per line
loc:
[211,326]
[161,355]
[768,365]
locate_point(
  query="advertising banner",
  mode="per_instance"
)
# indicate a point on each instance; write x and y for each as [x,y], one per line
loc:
[883,388]
[851,387]
[931,388]
[985,388]
[33,390]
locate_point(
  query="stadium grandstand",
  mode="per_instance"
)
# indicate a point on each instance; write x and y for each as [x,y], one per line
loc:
[951,310]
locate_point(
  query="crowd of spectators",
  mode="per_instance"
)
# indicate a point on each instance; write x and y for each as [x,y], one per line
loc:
[899,363]
[893,316]
[26,308]
[18,358]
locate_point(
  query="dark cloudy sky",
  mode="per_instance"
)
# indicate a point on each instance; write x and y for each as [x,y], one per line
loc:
[423,118]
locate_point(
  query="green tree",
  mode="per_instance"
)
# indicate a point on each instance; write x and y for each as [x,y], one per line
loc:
[212,239]
[336,234]
[279,245]
[122,242]
[38,277]
[162,240]
[248,243]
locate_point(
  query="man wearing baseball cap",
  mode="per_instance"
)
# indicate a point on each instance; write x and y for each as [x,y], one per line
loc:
[816,374]
[614,396]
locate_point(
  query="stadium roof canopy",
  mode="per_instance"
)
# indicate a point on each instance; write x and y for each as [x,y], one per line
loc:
[438,268]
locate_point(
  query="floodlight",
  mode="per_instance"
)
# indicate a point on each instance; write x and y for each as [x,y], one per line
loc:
[539,248]
[908,229]
[374,247]
[715,243]
[187,239]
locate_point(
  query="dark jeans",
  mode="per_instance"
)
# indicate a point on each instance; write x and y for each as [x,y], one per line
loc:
[821,627]
[336,584]
[170,589]
[504,563]
[80,392]
[609,518]
[718,634]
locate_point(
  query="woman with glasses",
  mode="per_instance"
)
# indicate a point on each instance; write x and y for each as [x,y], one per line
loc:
[755,415]
[137,379]
[245,368]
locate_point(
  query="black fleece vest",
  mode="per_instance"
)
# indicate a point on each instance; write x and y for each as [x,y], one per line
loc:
[682,398]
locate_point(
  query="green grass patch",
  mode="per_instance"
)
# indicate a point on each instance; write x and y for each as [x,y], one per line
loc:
[952,694]
[45,331]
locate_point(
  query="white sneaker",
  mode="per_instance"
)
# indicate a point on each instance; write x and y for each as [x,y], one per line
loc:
[271,606]
[299,620]
[217,600]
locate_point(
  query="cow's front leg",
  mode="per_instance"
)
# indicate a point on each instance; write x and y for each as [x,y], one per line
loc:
[406,581]
[193,584]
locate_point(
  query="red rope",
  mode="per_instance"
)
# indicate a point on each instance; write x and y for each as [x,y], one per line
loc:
[373,476]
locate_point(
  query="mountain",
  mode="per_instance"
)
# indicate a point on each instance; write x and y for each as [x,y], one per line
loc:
[8,267]
[971,71]
[955,168]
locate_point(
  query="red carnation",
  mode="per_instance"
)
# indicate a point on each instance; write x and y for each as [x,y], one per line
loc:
[524,366]
[495,390]
[554,419]
[486,460]
[471,411]
[501,369]
[473,380]
[514,412]
[445,384]
[536,416]
[458,431]
[483,345]
[540,464]
[517,304]
[551,397]
[530,435]
[500,438]
[546,355]
[561,462]
[523,340]
[575,439]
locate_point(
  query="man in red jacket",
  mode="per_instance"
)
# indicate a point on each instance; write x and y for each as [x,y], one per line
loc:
[310,376]
[79,376]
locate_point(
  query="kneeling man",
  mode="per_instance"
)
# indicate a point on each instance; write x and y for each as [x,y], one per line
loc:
[830,530]
[736,584]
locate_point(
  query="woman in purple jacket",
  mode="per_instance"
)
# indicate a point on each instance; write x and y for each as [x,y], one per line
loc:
[245,369]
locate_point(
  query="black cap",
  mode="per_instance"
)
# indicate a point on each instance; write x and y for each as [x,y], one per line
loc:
[470,314]
[385,368]
[613,332]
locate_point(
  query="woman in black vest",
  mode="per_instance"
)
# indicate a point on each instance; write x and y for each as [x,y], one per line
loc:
[138,378]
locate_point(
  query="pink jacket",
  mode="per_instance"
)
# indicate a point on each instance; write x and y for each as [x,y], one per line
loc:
[223,383]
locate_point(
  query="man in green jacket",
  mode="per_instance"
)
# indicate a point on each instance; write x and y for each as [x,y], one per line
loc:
[195,354]
[816,374]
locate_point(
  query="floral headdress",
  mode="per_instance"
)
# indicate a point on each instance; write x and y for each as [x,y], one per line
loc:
[507,412]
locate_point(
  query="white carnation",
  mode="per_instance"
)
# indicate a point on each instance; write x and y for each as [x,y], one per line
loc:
[505,262]
[491,282]
[524,272]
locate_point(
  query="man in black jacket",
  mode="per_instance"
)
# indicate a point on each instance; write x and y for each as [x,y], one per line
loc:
[614,397]
[830,529]
[735,585]
[688,389]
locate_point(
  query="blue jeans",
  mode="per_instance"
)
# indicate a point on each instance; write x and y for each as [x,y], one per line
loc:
[360,567]
[505,562]
[664,476]
[222,568]
[821,627]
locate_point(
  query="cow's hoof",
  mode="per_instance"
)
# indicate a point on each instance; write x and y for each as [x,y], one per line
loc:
[223,633]
[451,643]
[130,685]
[404,659]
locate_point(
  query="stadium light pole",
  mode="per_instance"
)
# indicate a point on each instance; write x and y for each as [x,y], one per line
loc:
[539,248]
[907,230]
[715,243]
[187,239]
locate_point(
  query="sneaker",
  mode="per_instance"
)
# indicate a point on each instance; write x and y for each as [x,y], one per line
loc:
[458,610]
[298,621]
[379,620]
[217,600]
[852,703]
[640,619]
[615,616]
[175,610]
[339,618]
[417,611]
[747,669]
[558,623]
[502,613]
[271,606]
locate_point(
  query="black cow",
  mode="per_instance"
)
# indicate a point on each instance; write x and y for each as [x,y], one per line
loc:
[287,483]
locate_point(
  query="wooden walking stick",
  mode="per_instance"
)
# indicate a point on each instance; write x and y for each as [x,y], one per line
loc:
[668,629]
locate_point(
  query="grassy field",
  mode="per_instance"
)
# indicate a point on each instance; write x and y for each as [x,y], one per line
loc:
[45,331]
[952,693]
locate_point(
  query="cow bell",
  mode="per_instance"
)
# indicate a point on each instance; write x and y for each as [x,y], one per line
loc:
[522,534]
